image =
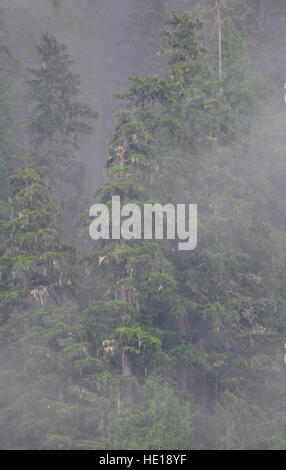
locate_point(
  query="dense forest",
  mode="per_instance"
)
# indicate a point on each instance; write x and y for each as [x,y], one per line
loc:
[116,344]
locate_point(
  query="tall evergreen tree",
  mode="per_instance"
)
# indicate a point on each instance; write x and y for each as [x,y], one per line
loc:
[220,316]
[57,121]
[7,149]
[56,114]
[153,348]
[33,253]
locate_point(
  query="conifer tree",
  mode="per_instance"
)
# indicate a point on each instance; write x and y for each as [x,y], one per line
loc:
[154,348]
[34,257]
[44,348]
[211,294]
[57,121]
[131,159]
[56,114]
[6,145]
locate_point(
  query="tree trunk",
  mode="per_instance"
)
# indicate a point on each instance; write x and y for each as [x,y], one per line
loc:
[219,4]
[126,357]
[126,364]
[118,403]
[123,294]
[127,372]
[261,13]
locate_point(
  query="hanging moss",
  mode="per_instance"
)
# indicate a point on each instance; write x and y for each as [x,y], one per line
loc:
[34,254]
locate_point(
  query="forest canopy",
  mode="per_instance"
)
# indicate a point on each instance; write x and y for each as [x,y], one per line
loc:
[136,344]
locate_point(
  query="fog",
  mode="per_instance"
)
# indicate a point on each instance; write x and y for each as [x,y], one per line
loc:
[238,258]
[106,46]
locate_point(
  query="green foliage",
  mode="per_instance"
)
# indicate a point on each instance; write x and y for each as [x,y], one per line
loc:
[7,147]
[34,257]
[54,89]
[138,345]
